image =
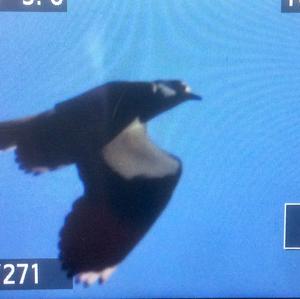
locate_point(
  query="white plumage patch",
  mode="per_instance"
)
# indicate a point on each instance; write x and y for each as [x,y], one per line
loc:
[9,149]
[132,154]
[89,278]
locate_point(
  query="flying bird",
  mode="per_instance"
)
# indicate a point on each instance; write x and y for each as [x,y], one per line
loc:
[127,179]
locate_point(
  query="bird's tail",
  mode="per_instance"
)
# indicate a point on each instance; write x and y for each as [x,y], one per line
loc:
[11,131]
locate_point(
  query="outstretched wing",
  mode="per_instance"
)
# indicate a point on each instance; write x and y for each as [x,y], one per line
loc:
[40,142]
[127,186]
[59,136]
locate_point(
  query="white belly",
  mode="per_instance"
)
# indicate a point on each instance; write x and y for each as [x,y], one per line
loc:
[132,154]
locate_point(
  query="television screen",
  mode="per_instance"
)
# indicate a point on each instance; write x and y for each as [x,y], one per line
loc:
[149,149]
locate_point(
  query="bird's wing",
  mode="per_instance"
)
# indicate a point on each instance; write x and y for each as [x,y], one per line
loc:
[39,142]
[126,189]
[56,137]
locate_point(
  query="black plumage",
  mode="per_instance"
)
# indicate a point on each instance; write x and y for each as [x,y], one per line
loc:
[127,179]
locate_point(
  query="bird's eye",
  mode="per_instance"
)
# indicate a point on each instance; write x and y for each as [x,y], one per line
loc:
[187,88]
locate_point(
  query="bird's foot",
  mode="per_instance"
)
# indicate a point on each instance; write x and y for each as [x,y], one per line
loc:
[89,278]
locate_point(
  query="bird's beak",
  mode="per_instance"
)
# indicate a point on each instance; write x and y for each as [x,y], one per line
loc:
[193,96]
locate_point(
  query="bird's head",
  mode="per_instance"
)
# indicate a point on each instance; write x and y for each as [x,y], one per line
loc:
[146,100]
[164,95]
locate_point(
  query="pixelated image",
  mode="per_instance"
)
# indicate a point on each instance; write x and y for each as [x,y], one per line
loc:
[149,149]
